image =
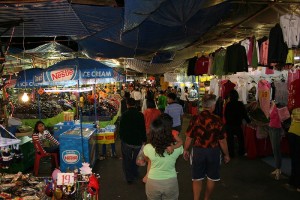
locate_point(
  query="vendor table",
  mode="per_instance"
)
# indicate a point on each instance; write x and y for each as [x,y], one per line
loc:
[27,149]
[260,147]
[74,149]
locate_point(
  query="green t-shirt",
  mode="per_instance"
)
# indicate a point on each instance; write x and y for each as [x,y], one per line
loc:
[162,167]
[162,102]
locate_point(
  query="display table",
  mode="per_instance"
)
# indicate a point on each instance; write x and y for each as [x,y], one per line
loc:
[27,149]
[260,147]
[74,149]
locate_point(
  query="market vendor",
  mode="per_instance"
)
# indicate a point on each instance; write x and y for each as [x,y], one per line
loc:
[47,141]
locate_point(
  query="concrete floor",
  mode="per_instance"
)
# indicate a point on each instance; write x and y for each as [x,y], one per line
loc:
[240,179]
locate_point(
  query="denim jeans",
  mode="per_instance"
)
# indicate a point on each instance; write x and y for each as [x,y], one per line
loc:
[129,154]
[275,134]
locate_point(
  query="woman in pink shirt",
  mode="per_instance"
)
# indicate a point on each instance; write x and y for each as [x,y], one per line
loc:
[275,134]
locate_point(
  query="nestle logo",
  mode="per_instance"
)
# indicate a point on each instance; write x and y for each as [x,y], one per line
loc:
[70,156]
[62,75]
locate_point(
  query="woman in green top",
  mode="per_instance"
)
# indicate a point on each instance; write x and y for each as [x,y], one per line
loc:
[162,101]
[162,177]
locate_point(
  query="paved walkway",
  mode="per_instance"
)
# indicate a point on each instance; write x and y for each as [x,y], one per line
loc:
[241,179]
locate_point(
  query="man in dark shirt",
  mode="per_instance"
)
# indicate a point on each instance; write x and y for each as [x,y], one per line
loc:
[235,112]
[208,135]
[133,136]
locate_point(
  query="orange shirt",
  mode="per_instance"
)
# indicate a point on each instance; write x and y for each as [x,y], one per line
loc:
[150,114]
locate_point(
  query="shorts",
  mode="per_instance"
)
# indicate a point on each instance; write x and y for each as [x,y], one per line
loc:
[205,163]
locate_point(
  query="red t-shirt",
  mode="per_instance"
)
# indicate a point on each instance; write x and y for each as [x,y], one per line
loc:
[150,114]
[201,66]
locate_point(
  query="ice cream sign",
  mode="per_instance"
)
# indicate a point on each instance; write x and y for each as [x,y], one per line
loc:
[70,156]
[64,74]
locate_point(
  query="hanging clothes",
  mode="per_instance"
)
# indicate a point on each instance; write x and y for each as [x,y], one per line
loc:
[247,43]
[290,25]
[218,62]
[263,53]
[278,50]
[191,66]
[242,90]
[235,59]
[214,87]
[281,92]
[255,54]
[226,87]
[293,89]
[201,66]
[264,93]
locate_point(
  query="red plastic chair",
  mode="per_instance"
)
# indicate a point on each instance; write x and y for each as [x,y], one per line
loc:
[40,153]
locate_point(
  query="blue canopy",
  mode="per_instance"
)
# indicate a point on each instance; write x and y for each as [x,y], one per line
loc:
[69,72]
[169,26]
[25,78]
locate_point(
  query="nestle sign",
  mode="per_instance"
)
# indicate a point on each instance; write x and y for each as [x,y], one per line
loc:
[62,74]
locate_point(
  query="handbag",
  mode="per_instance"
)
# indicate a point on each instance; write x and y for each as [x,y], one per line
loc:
[283,113]
[140,159]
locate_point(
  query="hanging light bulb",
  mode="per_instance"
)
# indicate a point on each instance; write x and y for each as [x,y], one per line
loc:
[25,97]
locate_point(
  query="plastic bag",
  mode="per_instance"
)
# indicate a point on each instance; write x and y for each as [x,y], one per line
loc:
[140,159]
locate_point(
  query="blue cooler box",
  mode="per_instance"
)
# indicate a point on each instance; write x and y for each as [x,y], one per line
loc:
[75,150]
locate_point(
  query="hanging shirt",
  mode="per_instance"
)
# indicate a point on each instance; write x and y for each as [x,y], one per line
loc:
[277,51]
[218,62]
[263,53]
[201,66]
[264,96]
[281,94]
[235,59]
[242,90]
[214,87]
[191,66]
[293,89]
[290,25]
[290,57]
[226,88]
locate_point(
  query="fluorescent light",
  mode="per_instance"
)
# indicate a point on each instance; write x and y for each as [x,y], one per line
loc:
[297,57]
[69,90]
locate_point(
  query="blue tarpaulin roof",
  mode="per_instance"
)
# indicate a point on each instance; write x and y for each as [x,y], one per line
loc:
[171,27]
[42,19]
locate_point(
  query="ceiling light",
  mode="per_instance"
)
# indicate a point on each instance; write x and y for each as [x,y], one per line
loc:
[25,97]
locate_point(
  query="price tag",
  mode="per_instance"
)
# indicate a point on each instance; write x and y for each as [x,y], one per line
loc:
[65,178]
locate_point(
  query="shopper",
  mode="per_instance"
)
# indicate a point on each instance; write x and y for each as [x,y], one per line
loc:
[184,100]
[133,135]
[294,142]
[162,177]
[177,141]
[207,132]
[235,112]
[175,111]
[162,101]
[275,136]
[150,114]
[42,136]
